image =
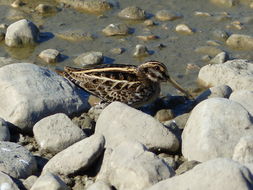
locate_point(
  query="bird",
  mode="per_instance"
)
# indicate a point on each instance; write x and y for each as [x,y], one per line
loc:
[133,85]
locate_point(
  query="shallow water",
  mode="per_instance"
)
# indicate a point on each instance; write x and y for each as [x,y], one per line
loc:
[179,50]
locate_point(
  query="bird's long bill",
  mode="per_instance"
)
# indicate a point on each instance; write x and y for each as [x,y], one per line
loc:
[180,88]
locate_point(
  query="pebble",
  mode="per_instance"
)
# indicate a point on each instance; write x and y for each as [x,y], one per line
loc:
[236,73]
[228,3]
[231,175]
[213,43]
[21,33]
[164,115]
[142,167]
[28,182]
[186,166]
[168,159]
[50,55]
[208,50]
[220,35]
[46,9]
[147,37]
[33,96]
[219,58]
[17,3]
[75,35]
[235,25]
[243,151]
[6,182]
[149,22]
[133,13]
[93,6]
[167,15]
[16,161]
[132,124]
[85,123]
[4,131]
[240,41]
[140,51]
[118,29]
[181,120]
[49,181]
[117,51]
[243,97]
[211,122]
[79,156]
[56,132]
[183,29]
[200,13]
[89,58]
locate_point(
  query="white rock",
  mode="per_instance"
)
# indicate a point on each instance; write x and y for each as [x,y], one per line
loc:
[99,185]
[141,50]
[222,91]
[240,41]
[184,29]
[49,181]
[16,161]
[116,29]
[89,58]
[238,74]
[133,13]
[56,132]
[131,166]
[33,92]
[219,58]
[20,33]
[6,183]
[4,131]
[77,157]
[50,55]
[119,122]
[245,98]
[218,174]
[214,128]
[243,151]
[28,182]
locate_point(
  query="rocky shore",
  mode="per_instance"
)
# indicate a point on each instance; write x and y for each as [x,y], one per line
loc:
[53,137]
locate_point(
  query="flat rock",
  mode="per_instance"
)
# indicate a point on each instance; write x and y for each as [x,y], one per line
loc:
[56,132]
[89,5]
[6,183]
[21,33]
[50,55]
[118,29]
[74,35]
[219,174]
[228,3]
[89,58]
[49,181]
[77,157]
[32,93]
[208,50]
[243,151]
[240,41]
[238,74]
[141,167]
[214,128]
[131,124]
[167,15]
[16,161]
[4,131]
[245,98]
[221,91]
[133,13]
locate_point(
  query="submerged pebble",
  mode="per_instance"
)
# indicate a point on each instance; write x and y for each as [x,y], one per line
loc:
[116,29]
[167,15]
[75,35]
[240,41]
[133,13]
[45,9]
[184,29]
[89,58]
[50,55]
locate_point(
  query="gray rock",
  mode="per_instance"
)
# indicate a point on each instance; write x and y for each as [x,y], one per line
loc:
[238,74]
[164,115]
[6,183]
[56,132]
[181,120]
[131,124]
[133,13]
[219,58]
[99,185]
[141,167]
[240,41]
[220,35]
[89,5]
[49,181]
[16,161]
[46,9]
[169,160]
[141,50]
[219,174]
[116,29]
[75,35]
[78,157]
[4,131]
[214,128]
[28,182]
[208,50]
[32,93]
[167,15]
[50,55]
[245,98]
[21,33]
[243,151]
[89,58]
[186,166]
[221,91]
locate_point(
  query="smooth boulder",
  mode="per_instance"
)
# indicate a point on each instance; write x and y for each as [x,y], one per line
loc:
[32,93]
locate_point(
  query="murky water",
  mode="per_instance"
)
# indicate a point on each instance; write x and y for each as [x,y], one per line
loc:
[179,50]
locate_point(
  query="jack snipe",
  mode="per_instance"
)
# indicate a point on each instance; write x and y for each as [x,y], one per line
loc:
[129,84]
